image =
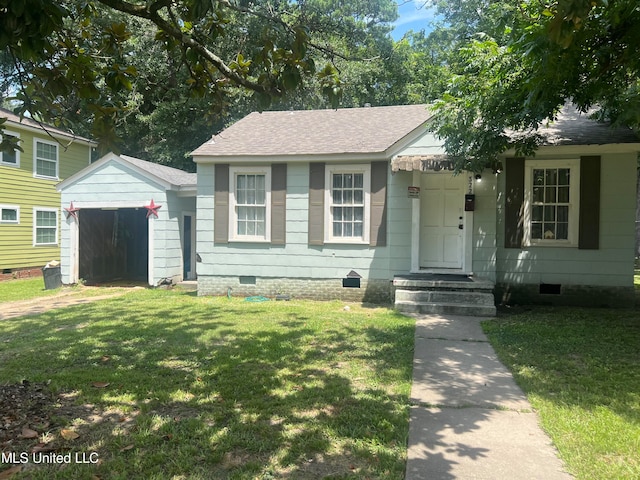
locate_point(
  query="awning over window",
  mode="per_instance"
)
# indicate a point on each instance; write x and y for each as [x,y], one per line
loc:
[422,163]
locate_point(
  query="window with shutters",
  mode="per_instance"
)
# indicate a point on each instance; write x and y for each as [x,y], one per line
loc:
[10,158]
[250,204]
[347,203]
[551,202]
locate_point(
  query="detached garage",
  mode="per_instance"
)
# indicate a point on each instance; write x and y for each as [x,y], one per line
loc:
[128,219]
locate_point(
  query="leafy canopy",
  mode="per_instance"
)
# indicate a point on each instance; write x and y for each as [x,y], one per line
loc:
[72,58]
[513,65]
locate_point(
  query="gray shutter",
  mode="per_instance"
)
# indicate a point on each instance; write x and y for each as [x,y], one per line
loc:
[279,204]
[378,233]
[589,227]
[221,204]
[316,203]
[514,203]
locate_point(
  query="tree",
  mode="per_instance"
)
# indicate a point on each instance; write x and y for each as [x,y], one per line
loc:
[514,65]
[74,62]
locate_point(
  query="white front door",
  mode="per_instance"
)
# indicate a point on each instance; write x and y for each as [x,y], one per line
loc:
[442,221]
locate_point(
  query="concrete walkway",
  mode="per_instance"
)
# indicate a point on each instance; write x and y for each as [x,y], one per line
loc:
[469,419]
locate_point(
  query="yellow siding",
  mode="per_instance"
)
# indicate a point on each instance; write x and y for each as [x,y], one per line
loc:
[19,187]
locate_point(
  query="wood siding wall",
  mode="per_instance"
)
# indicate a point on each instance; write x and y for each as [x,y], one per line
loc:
[611,264]
[116,183]
[298,257]
[19,187]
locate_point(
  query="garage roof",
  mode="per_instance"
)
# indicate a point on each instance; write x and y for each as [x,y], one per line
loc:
[169,177]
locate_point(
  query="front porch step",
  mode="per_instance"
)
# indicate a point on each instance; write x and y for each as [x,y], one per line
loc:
[470,310]
[442,294]
[469,297]
[188,285]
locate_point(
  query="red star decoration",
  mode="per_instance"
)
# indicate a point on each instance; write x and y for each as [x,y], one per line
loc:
[152,208]
[72,211]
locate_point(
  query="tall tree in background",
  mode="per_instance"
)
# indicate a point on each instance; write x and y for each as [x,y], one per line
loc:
[515,64]
[156,70]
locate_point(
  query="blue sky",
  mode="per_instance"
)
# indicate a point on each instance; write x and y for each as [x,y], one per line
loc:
[413,16]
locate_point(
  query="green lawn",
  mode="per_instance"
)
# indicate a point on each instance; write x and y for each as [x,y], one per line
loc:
[163,384]
[581,371]
[24,289]
[166,385]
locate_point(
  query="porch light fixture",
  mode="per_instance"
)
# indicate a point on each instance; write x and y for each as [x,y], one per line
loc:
[478,177]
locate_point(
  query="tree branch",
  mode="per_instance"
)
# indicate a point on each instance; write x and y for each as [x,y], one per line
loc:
[152,14]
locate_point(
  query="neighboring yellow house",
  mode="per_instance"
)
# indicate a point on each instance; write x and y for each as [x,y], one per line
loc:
[30,209]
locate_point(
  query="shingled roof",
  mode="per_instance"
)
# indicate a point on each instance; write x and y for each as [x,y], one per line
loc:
[14,120]
[364,130]
[573,127]
[171,178]
[174,176]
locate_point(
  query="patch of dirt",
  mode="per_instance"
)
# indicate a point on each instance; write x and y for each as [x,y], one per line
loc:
[34,419]
[26,408]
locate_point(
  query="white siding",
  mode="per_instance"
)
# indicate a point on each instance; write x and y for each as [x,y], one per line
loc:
[296,259]
[484,227]
[610,265]
[114,184]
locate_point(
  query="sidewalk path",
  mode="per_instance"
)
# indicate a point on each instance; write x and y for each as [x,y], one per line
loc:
[469,419]
[39,305]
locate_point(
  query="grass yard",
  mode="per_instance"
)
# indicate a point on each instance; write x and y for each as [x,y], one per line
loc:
[165,385]
[581,371]
[24,289]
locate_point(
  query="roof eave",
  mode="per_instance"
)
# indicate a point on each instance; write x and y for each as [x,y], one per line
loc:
[55,133]
[187,191]
[577,149]
[122,161]
[408,139]
[293,158]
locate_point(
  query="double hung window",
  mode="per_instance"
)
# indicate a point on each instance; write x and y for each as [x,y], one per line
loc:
[551,201]
[347,205]
[10,158]
[45,162]
[45,226]
[250,217]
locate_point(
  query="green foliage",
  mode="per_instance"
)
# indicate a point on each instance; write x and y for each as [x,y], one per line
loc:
[514,66]
[86,65]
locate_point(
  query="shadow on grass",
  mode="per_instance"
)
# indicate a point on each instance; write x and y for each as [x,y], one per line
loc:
[192,386]
[557,352]
[580,368]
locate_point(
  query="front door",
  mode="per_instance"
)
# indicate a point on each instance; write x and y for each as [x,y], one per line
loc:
[441,221]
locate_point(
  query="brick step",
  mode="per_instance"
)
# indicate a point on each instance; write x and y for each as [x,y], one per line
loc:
[418,284]
[446,308]
[469,297]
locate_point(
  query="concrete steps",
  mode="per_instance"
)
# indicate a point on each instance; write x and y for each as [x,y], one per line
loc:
[188,285]
[442,294]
